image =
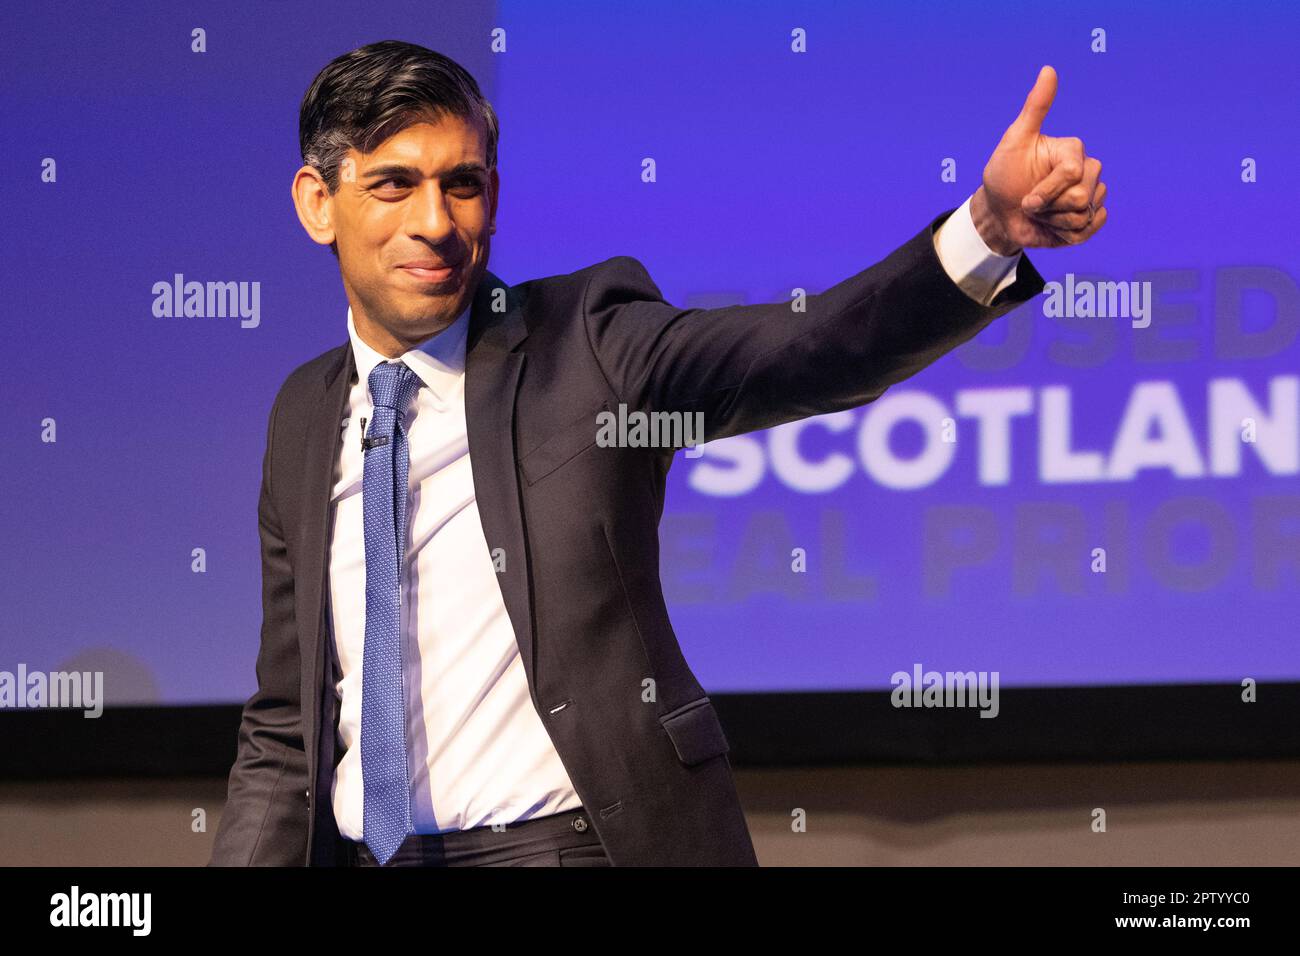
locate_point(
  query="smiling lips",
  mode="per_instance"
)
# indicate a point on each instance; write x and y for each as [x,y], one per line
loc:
[428,270]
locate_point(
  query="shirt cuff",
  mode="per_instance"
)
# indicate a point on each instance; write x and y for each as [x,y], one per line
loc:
[976,269]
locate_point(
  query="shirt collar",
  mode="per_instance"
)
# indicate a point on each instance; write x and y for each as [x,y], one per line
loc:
[439,360]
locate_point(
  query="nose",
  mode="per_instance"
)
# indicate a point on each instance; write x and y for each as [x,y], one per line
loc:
[427,214]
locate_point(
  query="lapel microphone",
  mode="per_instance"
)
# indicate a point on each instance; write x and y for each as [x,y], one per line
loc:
[369,443]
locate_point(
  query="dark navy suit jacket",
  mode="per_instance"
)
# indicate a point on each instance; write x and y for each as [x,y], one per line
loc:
[578,525]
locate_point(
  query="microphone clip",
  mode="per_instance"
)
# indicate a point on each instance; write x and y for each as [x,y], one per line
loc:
[369,443]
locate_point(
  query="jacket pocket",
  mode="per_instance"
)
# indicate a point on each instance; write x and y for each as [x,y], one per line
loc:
[565,445]
[695,731]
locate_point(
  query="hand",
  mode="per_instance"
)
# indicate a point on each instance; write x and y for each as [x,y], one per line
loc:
[1038,190]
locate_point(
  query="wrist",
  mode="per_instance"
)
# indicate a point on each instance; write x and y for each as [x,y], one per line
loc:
[989,227]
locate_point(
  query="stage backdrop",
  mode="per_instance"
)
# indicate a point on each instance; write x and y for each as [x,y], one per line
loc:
[1098,489]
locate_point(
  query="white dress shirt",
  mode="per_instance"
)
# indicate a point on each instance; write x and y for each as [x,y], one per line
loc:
[478,753]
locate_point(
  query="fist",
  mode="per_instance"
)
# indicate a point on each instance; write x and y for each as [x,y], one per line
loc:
[1038,190]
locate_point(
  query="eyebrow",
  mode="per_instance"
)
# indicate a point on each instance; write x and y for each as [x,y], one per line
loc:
[398,169]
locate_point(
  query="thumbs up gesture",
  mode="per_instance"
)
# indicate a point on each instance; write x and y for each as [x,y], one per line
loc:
[1038,190]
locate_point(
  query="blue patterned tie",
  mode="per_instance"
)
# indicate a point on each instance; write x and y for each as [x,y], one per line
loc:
[387,804]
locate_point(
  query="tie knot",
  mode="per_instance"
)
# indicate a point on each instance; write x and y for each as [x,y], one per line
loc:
[393,385]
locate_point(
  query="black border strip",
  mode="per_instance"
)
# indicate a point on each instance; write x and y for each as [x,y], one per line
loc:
[1159,722]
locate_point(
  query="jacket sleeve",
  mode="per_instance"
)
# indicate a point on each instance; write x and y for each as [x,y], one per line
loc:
[265,819]
[749,367]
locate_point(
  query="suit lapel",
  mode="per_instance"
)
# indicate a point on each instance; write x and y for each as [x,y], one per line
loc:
[321,457]
[492,372]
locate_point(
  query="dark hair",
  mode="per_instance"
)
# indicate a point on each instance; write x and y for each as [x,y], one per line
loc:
[363,97]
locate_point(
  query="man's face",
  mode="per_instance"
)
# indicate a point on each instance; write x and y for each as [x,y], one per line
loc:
[412,221]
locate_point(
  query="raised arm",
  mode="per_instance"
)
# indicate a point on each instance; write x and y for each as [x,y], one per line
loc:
[750,367]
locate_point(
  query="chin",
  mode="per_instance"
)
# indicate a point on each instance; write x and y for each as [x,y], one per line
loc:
[429,313]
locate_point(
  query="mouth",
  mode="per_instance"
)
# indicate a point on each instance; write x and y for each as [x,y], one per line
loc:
[427,273]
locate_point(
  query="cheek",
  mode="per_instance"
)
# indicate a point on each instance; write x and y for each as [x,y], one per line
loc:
[366,241]
[361,264]
[371,226]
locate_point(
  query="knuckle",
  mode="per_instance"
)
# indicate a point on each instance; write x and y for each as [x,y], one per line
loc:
[1076,196]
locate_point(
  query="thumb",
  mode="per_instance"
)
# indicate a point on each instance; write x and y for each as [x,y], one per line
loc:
[1037,103]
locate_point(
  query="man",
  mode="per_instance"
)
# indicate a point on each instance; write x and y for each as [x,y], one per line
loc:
[466,658]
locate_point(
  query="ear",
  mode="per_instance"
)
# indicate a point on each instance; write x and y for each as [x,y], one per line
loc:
[496,194]
[315,205]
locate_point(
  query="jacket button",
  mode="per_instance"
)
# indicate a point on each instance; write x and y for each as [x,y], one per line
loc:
[307,794]
[580,824]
